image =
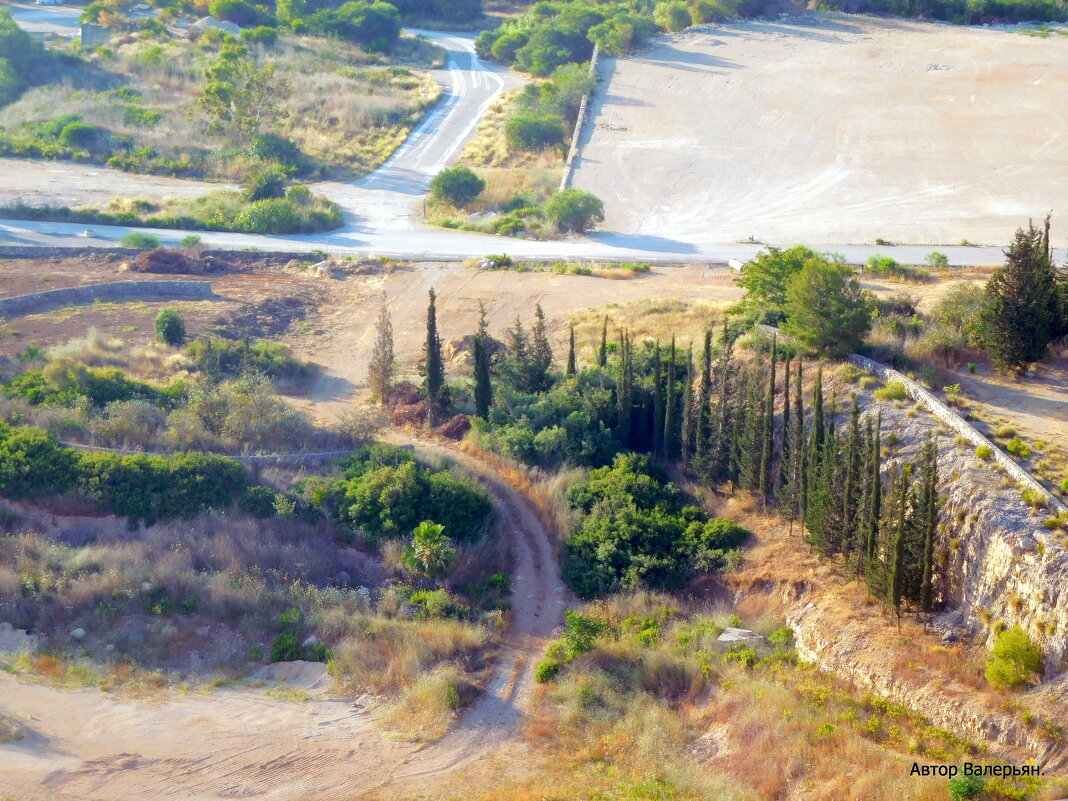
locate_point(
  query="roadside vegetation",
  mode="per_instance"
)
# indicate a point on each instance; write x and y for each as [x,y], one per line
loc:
[212,106]
[518,156]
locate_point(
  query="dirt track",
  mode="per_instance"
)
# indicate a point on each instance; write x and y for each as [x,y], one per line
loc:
[841,129]
[83,744]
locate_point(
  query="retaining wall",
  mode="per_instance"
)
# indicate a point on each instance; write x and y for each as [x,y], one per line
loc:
[954,421]
[36,302]
[580,121]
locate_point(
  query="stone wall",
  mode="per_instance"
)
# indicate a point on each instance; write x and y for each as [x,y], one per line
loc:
[580,121]
[36,302]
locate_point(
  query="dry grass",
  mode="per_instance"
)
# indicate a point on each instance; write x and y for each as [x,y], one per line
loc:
[488,148]
[425,710]
[387,656]
[10,729]
[657,318]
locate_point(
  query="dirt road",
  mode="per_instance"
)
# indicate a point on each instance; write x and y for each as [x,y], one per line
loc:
[82,744]
[832,128]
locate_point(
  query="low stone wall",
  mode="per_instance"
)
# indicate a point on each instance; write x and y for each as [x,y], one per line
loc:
[954,421]
[36,302]
[580,121]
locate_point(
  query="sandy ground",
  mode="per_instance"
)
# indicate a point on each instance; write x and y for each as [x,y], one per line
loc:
[83,744]
[832,129]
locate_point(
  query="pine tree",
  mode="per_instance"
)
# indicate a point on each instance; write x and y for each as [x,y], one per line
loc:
[602,351]
[433,366]
[671,442]
[380,370]
[1022,309]
[541,354]
[481,354]
[767,451]
[658,404]
[571,366]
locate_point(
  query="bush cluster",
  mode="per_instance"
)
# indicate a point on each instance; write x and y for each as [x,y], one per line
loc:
[636,531]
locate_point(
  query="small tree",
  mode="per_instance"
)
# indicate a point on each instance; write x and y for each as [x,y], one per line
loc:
[380,370]
[430,552]
[672,16]
[457,185]
[534,131]
[826,310]
[574,210]
[170,327]
[433,365]
[1014,660]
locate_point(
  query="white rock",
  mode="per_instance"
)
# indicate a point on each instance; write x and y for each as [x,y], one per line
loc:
[78,633]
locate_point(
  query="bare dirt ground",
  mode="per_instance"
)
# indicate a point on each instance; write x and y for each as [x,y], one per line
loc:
[83,744]
[832,129]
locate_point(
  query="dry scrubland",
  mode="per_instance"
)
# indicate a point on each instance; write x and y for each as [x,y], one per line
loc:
[832,129]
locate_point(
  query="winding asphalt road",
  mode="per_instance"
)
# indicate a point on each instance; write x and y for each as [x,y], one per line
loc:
[382,210]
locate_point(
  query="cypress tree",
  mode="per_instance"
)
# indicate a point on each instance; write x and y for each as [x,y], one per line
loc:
[433,366]
[624,392]
[861,520]
[849,479]
[704,394]
[686,444]
[752,436]
[602,351]
[784,455]
[817,410]
[897,564]
[722,452]
[380,369]
[767,452]
[571,365]
[876,496]
[929,522]
[658,404]
[541,354]
[670,438]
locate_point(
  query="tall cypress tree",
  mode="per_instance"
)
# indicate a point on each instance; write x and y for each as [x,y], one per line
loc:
[433,366]
[380,369]
[658,404]
[929,522]
[817,410]
[571,364]
[624,392]
[541,354]
[875,499]
[704,398]
[602,351]
[849,479]
[722,424]
[895,582]
[686,443]
[784,455]
[671,442]
[767,451]
[483,381]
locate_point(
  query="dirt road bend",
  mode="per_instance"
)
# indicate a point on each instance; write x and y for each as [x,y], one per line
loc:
[86,745]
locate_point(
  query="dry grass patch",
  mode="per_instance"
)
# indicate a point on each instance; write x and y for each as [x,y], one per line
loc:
[425,710]
[651,318]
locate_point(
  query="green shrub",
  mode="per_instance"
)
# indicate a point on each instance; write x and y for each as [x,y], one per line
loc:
[265,184]
[984,452]
[140,241]
[260,35]
[1014,660]
[272,147]
[894,390]
[534,132]
[170,327]
[672,16]
[966,788]
[286,647]
[937,260]
[546,671]
[574,210]
[258,501]
[78,134]
[1035,499]
[32,464]
[457,185]
[782,636]
[1018,447]
[190,241]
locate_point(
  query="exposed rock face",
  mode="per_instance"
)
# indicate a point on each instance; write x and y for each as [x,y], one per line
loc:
[998,561]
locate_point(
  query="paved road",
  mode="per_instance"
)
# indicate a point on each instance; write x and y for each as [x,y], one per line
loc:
[60,20]
[382,210]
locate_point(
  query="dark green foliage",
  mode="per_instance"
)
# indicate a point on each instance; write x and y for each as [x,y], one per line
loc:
[62,383]
[602,351]
[635,531]
[386,495]
[152,488]
[32,464]
[287,645]
[457,185]
[572,367]
[78,134]
[23,60]
[1022,309]
[826,310]
[534,132]
[966,788]
[262,34]
[258,501]
[961,12]
[574,210]
[361,22]
[233,357]
[170,327]
[764,280]
[433,367]
[140,241]
[272,147]
[529,360]
[481,356]
[671,15]
[265,184]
